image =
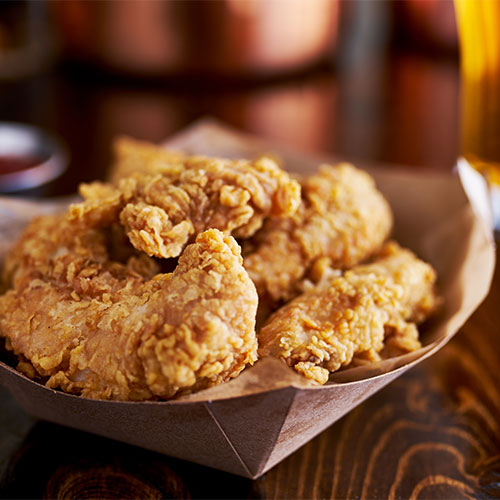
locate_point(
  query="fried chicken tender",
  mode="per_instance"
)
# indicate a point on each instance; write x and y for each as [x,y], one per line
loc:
[352,313]
[134,156]
[342,216]
[172,198]
[106,329]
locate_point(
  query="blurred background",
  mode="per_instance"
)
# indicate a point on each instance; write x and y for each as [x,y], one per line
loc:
[366,80]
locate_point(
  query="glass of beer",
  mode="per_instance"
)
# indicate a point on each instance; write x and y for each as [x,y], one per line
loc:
[479,32]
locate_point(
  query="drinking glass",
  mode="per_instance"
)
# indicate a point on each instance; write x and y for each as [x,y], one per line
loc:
[479,33]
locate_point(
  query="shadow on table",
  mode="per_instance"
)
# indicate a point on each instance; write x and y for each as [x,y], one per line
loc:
[58,462]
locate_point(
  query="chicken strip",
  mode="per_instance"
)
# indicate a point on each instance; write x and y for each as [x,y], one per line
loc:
[165,204]
[116,330]
[351,313]
[135,156]
[342,216]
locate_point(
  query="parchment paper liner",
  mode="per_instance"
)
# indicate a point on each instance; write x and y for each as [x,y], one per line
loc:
[250,424]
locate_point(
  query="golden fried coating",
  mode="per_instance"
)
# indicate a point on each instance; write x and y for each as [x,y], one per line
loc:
[342,216]
[51,246]
[134,156]
[87,309]
[351,313]
[117,330]
[165,204]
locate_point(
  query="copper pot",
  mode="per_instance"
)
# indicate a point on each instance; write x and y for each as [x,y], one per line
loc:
[235,37]
[429,23]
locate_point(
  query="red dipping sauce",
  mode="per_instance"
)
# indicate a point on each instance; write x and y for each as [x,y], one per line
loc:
[10,163]
[29,157]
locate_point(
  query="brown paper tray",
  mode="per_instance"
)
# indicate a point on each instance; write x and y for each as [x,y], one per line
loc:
[250,424]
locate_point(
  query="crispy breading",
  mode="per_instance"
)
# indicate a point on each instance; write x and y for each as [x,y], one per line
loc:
[52,246]
[351,313]
[117,330]
[135,156]
[342,216]
[87,308]
[165,204]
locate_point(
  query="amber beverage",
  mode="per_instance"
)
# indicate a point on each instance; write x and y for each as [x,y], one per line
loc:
[479,32]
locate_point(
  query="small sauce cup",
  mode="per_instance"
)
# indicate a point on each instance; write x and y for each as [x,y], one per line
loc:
[29,157]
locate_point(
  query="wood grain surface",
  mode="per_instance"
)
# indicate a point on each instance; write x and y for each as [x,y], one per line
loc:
[433,433]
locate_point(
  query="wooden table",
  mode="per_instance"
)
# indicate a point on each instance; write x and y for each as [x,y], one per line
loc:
[433,433]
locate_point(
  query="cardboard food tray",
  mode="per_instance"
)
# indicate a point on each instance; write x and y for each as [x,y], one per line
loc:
[248,425]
